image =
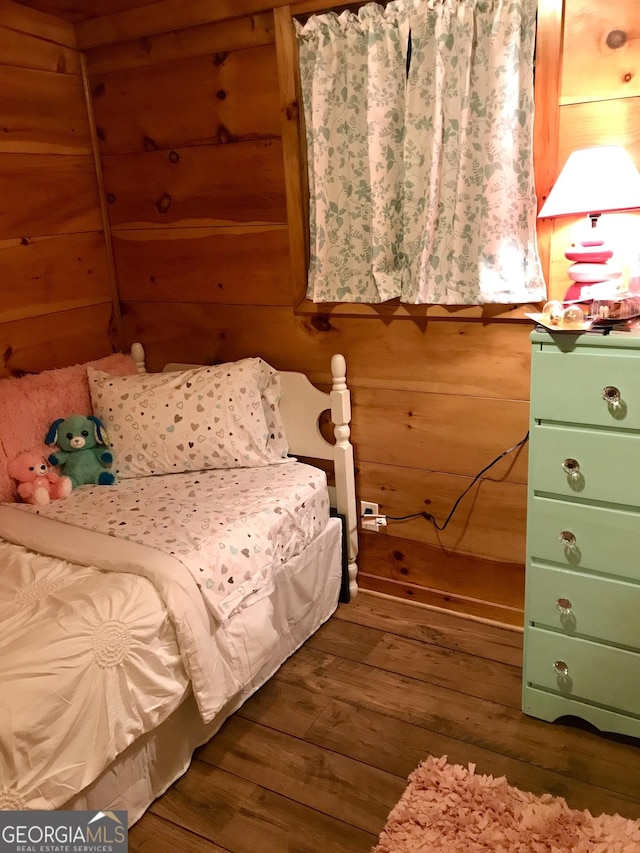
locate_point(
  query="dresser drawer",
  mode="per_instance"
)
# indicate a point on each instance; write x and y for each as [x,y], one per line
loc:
[573,603]
[599,674]
[584,537]
[607,464]
[568,386]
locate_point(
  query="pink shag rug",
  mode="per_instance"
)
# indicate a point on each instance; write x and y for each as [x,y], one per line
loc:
[451,808]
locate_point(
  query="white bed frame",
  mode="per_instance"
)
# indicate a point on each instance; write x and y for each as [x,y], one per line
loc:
[301,407]
[157,758]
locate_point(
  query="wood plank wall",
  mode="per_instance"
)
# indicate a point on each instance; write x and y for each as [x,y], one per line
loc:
[190,132]
[56,297]
[191,124]
[196,148]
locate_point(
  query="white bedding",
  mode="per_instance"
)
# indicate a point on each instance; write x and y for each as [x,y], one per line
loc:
[89,661]
[229,528]
[305,596]
[94,657]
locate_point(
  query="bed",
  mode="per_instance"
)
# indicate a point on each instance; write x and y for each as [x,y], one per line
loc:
[136,617]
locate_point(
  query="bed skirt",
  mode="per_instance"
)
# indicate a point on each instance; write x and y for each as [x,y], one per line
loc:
[305,595]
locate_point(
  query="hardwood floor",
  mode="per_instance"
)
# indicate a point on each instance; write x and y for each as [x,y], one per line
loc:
[316,759]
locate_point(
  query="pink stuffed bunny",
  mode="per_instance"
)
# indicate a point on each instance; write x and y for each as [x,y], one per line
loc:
[37,482]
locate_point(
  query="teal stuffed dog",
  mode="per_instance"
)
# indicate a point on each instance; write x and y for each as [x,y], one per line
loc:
[80,456]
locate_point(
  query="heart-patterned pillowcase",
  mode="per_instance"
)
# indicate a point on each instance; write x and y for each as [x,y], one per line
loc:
[224,416]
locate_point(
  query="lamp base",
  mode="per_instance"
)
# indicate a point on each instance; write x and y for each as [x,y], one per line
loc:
[586,291]
[589,253]
[592,273]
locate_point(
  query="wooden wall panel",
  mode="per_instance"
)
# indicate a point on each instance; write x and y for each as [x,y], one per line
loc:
[20,50]
[57,273]
[45,194]
[38,24]
[43,112]
[466,358]
[413,430]
[485,589]
[204,185]
[613,122]
[294,148]
[85,10]
[55,340]
[601,57]
[183,44]
[56,299]
[489,522]
[545,126]
[165,16]
[145,108]
[151,265]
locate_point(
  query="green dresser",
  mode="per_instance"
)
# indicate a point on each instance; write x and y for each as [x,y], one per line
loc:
[582,604]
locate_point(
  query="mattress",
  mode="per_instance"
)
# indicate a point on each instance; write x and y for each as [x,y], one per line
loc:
[100,649]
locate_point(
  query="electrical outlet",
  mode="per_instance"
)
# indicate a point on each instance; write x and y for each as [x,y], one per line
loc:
[369,508]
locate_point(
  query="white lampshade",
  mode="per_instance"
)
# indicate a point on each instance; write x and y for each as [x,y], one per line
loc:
[594,180]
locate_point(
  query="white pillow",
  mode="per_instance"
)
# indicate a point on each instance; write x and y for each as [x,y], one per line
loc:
[224,416]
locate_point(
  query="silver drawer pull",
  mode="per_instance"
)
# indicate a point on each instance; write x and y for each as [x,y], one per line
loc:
[611,395]
[564,605]
[561,668]
[568,539]
[571,467]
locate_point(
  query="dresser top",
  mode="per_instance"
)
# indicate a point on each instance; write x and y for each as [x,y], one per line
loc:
[567,341]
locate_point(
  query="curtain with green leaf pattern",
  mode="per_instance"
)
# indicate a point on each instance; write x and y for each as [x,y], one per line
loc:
[419,123]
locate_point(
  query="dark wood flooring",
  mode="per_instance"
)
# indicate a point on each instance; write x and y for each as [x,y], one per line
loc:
[315,760]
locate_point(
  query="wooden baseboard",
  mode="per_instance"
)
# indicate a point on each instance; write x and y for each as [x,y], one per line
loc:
[471,608]
[518,629]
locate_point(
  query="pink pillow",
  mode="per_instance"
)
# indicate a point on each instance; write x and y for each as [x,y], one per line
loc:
[29,405]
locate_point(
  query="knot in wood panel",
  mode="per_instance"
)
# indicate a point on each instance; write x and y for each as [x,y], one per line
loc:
[291,111]
[321,323]
[163,204]
[101,134]
[149,143]
[221,94]
[219,58]
[99,90]
[616,38]
[224,134]
[173,156]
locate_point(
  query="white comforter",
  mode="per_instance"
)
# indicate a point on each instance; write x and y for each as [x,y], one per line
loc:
[98,643]
[89,660]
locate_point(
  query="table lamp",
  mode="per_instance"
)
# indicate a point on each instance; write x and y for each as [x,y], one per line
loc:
[593,181]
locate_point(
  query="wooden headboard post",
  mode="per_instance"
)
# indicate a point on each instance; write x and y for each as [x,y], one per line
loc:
[343,463]
[137,354]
